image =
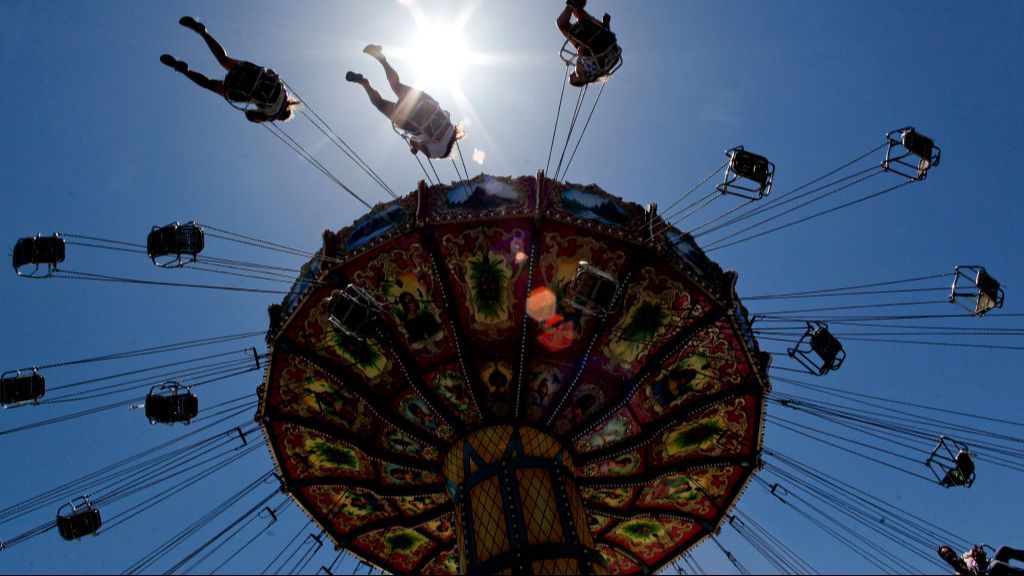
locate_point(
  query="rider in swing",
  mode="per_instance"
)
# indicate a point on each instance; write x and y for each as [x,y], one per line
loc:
[245,83]
[430,128]
[586,28]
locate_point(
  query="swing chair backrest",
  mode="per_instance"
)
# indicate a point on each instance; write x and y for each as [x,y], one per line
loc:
[167,403]
[352,311]
[983,288]
[753,167]
[592,291]
[913,144]
[592,35]
[818,350]
[600,42]
[918,144]
[964,463]
[750,167]
[425,120]
[951,470]
[16,388]
[48,250]
[74,522]
[177,240]
[249,83]
[990,295]
[826,346]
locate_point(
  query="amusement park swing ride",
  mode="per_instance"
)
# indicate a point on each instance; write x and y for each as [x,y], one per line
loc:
[512,374]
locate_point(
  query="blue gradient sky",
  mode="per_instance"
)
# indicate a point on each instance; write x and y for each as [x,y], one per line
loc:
[100,139]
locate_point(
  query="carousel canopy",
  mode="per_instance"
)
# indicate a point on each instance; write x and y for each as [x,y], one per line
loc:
[518,302]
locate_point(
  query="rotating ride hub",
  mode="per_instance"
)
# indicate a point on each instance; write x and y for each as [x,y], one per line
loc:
[509,375]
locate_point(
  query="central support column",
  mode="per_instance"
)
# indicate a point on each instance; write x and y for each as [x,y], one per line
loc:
[516,504]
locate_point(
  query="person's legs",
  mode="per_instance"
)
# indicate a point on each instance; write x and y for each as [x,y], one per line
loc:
[397,87]
[215,48]
[1005,554]
[215,86]
[386,107]
[563,22]
[996,568]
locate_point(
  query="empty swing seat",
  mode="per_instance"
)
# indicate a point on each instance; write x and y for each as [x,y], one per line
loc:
[167,404]
[747,167]
[951,470]
[959,474]
[168,245]
[74,522]
[592,291]
[18,388]
[36,251]
[984,289]
[990,294]
[825,345]
[919,153]
[821,353]
[353,312]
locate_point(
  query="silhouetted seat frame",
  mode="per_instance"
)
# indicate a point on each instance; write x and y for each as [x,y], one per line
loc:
[168,245]
[983,288]
[36,250]
[818,350]
[599,41]
[592,291]
[910,153]
[75,521]
[353,312]
[170,402]
[249,85]
[745,167]
[17,388]
[429,124]
[951,463]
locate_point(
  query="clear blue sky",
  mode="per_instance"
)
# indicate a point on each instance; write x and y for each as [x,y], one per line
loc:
[100,139]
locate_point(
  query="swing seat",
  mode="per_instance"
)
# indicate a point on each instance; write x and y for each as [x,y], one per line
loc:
[818,350]
[248,83]
[826,346]
[592,291]
[983,288]
[17,388]
[744,168]
[911,155]
[599,41]
[74,522]
[353,312]
[430,120]
[960,474]
[951,470]
[990,294]
[168,245]
[167,404]
[36,251]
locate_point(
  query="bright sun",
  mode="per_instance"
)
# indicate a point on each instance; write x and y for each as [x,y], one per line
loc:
[439,54]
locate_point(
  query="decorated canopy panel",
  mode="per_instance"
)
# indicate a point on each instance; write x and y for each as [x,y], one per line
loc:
[657,401]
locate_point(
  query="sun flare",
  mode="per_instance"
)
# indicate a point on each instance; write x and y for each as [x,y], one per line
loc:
[439,55]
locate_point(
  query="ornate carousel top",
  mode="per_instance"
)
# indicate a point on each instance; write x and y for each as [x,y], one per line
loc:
[522,316]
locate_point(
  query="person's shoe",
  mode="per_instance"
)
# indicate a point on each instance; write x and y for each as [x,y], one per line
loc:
[374,50]
[607,20]
[353,77]
[192,24]
[178,65]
